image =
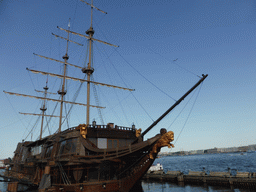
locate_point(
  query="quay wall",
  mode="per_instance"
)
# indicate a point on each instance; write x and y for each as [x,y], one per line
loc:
[240,180]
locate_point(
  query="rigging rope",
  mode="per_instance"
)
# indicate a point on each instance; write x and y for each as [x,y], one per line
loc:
[142,107]
[75,14]
[17,115]
[66,117]
[181,110]
[64,176]
[108,57]
[114,89]
[121,106]
[33,127]
[97,101]
[47,122]
[125,85]
[189,114]
[74,99]
[47,127]
[174,62]
[86,56]
[145,77]
[111,109]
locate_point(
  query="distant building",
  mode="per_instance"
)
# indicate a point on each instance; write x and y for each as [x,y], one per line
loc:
[252,147]
[243,148]
[214,150]
[200,152]
[228,150]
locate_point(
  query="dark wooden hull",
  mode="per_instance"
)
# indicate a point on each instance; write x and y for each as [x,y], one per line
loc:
[125,184]
[109,170]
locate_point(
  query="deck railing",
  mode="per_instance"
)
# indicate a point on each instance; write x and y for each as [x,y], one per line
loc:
[112,127]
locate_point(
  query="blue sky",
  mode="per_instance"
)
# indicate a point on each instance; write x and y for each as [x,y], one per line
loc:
[206,37]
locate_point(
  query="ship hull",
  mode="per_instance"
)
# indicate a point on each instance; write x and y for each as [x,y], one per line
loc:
[87,169]
[124,185]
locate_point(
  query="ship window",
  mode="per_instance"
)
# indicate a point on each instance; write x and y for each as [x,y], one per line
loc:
[68,146]
[48,152]
[36,150]
[24,154]
[102,143]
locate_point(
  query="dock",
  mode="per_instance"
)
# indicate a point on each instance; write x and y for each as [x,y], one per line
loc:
[240,180]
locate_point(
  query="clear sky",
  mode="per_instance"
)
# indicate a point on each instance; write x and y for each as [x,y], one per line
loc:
[165,43]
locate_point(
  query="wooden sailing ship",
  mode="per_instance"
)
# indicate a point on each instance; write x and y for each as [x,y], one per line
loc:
[88,157]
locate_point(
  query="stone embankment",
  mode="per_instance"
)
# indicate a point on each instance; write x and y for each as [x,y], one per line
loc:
[240,180]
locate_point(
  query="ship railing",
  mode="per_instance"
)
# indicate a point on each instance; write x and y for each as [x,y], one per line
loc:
[109,126]
[71,128]
[116,127]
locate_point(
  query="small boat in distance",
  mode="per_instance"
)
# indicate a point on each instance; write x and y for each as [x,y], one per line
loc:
[89,156]
[157,167]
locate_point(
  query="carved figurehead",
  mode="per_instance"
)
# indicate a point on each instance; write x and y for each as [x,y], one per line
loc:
[138,132]
[162,142]
[83,130]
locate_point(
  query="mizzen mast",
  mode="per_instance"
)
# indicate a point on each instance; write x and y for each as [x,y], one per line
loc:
[43,108]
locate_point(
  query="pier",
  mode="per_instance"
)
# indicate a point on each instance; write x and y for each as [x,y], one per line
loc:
[240,180]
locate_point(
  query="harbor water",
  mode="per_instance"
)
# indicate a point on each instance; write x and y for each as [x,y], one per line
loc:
[242,162]
[245,162]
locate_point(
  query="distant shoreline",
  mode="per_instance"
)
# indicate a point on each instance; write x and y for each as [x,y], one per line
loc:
[242,150]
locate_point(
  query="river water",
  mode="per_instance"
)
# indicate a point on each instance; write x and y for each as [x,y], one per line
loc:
[245,162]
[209,162]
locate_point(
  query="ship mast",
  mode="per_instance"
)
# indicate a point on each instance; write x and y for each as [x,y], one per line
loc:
[43,109]
[62,92]
[89,70]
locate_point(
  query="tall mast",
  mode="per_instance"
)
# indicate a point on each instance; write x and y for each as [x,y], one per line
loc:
[89,70]
[63,92]
[43,109]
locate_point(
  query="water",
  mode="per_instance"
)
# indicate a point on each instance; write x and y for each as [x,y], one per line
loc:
[3,186]
[211,162]
[171,187]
